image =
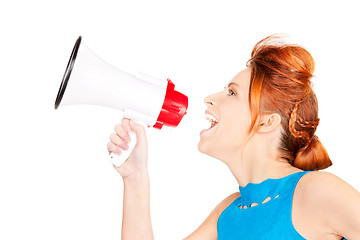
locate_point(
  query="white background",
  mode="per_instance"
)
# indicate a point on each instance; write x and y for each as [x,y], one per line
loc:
[55,179]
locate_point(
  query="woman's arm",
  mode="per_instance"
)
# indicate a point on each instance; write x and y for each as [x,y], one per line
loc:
[136,222]
[208,229]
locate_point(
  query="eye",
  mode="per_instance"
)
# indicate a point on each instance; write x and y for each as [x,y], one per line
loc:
[231,93]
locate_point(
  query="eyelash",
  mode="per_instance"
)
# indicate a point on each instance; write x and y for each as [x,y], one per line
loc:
[232,92]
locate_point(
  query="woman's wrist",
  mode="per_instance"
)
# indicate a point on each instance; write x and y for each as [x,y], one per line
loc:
[137,177]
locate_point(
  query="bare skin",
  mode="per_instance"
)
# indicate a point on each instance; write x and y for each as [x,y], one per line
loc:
[253,162]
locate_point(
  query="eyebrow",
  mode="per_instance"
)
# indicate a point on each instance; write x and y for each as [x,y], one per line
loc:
[232,83]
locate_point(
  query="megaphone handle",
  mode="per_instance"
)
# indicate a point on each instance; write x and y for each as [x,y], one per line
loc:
[118,160]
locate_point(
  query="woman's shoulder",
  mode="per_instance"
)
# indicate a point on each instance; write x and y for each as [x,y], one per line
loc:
[315,184]
[329,200]
[208,229]
[226,202]
[315,181]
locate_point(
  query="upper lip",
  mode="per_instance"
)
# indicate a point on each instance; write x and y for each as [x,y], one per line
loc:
[207,112]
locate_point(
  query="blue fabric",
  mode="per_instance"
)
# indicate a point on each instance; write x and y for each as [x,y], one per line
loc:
[269,220]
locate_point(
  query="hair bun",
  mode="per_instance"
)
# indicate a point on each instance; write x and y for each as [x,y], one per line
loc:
[280,83]
[313,156]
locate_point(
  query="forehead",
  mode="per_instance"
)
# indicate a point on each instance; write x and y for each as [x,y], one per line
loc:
[242,79]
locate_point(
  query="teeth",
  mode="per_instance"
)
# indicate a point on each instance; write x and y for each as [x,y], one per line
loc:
[211,118]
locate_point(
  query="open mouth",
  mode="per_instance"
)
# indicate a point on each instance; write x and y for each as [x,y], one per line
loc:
[212,120]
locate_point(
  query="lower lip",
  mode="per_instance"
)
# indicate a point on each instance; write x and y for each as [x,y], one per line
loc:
[207,130]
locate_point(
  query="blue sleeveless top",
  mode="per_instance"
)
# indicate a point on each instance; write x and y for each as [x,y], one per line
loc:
[265,221]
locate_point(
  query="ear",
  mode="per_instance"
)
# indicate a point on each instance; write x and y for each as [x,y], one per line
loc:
[269,122]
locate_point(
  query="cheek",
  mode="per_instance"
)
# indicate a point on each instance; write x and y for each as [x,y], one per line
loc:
[233,133]
[238,117]
[237,125]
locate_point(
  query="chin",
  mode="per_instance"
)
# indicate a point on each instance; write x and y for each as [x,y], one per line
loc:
[205,149]
[202,148]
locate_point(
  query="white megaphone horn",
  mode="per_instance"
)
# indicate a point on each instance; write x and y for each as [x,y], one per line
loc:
[144,99]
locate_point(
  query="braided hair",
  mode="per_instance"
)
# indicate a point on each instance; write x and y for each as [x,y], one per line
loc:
[280,83]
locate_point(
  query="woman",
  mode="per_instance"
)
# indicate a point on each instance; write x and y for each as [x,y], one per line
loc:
[264,125]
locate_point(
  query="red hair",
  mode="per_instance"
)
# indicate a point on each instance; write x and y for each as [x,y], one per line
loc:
[280,83]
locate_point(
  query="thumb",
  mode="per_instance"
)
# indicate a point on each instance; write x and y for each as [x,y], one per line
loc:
[138,129]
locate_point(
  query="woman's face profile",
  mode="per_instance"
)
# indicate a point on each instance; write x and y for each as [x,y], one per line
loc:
[231,108]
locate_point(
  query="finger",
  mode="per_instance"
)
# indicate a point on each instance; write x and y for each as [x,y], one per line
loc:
[126,124]
[122,133]
[139,130]
[112,148]
[115,139]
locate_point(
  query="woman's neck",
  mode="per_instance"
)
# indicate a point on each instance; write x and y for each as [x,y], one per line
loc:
[257,165]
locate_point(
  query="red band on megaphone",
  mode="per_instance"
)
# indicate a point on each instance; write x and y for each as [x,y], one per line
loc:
[173,109]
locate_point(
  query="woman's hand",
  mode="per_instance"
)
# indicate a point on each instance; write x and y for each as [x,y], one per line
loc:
[137,162]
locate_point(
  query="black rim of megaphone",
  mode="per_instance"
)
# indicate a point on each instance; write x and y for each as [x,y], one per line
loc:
[67,73]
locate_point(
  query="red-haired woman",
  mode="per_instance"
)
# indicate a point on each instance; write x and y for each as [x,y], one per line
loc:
[263,129]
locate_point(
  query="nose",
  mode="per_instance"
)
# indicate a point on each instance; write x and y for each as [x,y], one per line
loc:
[209,100]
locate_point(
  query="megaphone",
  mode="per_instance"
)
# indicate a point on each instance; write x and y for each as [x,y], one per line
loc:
[88,79]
